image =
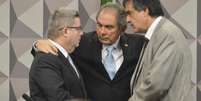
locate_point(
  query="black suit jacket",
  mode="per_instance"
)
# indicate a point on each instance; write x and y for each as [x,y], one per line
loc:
[52,78]
[89,61]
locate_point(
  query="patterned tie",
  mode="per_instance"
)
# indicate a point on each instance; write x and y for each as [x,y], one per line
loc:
[109,62]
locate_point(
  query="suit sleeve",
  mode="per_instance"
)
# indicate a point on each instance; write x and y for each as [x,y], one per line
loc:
[161,72]
[48,77]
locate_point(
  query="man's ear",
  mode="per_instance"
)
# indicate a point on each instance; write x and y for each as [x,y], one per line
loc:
[146,11]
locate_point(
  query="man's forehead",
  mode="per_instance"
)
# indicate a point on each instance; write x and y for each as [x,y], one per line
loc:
[106,24]
[107,18]
[129,7]
[77,22]
[108,11]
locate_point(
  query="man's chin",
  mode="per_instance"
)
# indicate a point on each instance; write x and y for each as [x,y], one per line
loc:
[136,30]
[105,42]
[77,45]
[71,50]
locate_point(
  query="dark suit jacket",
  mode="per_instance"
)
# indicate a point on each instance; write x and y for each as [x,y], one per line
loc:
[52,78]
[98,84]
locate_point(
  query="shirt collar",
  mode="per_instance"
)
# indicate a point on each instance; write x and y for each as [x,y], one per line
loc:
[60,48]
[152,27]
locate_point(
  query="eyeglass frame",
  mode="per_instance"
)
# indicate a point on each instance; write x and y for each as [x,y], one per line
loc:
[76,28]
[79,29]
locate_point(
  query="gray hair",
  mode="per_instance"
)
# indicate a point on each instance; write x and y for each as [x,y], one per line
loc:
[121,15]
[61,17]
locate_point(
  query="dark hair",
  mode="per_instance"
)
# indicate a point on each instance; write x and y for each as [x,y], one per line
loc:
[154,6]
[121,15]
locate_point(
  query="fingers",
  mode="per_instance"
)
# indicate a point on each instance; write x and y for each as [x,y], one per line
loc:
[53,50]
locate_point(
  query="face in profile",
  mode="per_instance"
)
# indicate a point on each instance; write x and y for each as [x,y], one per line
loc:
[75,33]
[107,28]
[137,19]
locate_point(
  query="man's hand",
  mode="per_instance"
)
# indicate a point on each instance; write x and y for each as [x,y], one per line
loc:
[46,46]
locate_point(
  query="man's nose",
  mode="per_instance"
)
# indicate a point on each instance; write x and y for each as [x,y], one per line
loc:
[128,19]
[102,30]
[81,33]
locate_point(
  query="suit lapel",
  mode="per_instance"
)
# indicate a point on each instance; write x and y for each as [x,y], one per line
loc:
[145,55]
[125,48]
[100,69]
[139,66]
[67,63]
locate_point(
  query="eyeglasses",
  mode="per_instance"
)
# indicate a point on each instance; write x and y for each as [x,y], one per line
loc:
[79,29]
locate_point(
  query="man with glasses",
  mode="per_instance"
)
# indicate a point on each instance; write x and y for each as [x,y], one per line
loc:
[56,78]
[107,57]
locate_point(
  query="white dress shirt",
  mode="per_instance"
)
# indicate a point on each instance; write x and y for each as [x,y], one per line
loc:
[117,54]
[152,27]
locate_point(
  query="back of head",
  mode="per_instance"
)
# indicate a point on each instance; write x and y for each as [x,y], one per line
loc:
[61,18]
[121,15]
[154,6]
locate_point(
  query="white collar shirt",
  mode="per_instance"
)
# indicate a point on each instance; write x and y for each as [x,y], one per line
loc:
[152,27]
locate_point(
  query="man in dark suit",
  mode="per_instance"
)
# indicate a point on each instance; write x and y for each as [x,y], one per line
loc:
[56,78]
[90,55]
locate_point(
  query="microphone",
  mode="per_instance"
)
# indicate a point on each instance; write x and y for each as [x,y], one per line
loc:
[26,97]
